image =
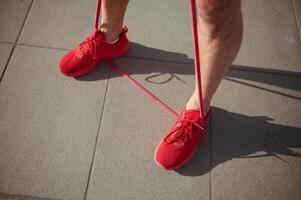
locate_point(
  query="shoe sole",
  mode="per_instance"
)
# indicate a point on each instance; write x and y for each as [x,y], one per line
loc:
[91,67]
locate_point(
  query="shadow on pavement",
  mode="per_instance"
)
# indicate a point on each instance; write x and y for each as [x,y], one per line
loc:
[237,136]
[260,75]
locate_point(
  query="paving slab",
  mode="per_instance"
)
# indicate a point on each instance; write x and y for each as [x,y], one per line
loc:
[256,140]
[161,30]
[297,9]
[5,50]
[49,124]
[58,23]
[131,128]
[270,36]
[12,16]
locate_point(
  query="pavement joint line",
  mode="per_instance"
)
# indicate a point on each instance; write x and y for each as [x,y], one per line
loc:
[25,19]
[22,197]
[41,46]
[6,64]
[233,67]
[97,134]
[15,43]
[296,21]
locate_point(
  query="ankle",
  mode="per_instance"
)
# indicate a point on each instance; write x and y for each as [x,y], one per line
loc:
[193,104]
[110,37]
[111,34]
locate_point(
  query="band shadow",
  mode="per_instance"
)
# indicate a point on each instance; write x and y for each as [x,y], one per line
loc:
[233,135]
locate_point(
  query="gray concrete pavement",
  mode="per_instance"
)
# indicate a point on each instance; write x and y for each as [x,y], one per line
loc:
[124,157]
[94,137]
[12,17]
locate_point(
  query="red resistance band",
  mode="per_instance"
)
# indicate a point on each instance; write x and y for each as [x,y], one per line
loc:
[196,62]
[141,88]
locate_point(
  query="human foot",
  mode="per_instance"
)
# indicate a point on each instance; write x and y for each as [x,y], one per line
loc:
[193,103]
[179,144]
[83,59]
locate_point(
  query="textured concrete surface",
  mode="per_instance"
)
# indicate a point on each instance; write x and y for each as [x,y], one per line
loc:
[162,25]
[64,24]
[129,134]
[58,23]
[167,35]
[48,126]
[242,133]
[94,137]
[12,16]
[5,51]
[297,9]
[270,36]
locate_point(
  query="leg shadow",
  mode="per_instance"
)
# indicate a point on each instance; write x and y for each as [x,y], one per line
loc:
[239,136]
[258,74]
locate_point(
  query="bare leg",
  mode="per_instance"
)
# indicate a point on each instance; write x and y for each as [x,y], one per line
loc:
[112,18]
[220,34]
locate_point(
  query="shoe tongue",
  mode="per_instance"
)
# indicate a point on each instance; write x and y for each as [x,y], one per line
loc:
[191,115]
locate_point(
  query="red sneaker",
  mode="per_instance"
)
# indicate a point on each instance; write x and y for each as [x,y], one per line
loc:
[179,144]
[84,58]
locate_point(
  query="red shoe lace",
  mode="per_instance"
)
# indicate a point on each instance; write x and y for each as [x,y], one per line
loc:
[184,132]
[89,46]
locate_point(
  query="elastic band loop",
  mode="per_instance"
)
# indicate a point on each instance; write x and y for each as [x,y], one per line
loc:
[197,66]
[98,6]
